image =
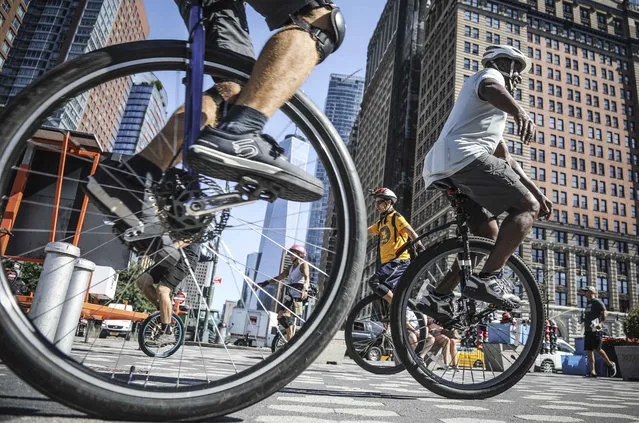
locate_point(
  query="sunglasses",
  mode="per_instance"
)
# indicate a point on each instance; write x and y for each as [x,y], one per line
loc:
[380,201]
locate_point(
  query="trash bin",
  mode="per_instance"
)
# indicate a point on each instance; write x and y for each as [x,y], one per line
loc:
[221,335]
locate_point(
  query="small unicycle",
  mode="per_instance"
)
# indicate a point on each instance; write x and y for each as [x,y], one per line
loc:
[154,343]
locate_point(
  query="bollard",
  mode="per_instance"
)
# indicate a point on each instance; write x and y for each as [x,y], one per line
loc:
[221,335]
[73,305]
[51,291]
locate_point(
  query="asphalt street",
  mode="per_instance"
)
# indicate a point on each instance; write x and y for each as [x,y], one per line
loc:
[347,394]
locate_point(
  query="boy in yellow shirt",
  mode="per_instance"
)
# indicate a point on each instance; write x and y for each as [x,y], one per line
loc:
[393,231]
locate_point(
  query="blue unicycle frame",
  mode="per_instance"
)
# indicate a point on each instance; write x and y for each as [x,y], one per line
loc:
[194,79]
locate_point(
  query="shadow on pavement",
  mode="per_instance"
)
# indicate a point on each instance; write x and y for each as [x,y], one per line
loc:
[357,394]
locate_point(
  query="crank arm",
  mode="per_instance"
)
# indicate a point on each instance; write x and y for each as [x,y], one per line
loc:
[215,203]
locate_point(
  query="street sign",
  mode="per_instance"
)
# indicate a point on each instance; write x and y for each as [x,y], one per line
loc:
[217,280]
[179,298]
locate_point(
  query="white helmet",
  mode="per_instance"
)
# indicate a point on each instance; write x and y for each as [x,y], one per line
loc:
[493,53]
[384,193]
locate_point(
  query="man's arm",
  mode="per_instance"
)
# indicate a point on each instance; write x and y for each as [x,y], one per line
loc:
[545,204]
[276,278]
[496,94]
[413,235]
[307,280]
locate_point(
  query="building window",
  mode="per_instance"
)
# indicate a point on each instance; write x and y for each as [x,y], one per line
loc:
[602,284]
[538,233]
[561,237]
[581,301]
[582,281]
[537,255]
[560,298]
[560,278]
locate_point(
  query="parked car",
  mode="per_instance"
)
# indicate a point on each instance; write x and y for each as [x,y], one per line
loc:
[550,363]
[372,340]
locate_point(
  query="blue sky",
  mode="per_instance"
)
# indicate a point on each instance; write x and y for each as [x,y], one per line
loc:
[361,18]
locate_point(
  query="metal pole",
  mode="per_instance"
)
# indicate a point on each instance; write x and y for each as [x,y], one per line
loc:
[73,305]
[209,299]
[51,291]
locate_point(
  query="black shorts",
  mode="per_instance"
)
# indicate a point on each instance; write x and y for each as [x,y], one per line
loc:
[592,341]
[227,27]
[166,273]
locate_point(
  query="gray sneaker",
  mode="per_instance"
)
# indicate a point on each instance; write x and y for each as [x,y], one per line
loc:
[220,154]
[612,370]
[493,290]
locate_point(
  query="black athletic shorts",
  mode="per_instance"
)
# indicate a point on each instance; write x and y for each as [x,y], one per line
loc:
[227,27]
[592,340]
[165,273]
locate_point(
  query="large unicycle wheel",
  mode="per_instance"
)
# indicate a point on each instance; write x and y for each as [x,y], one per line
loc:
[368,336]
[490,357]
[150,332]
[196,382]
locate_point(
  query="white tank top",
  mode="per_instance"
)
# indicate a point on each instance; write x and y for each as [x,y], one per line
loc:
[296,280]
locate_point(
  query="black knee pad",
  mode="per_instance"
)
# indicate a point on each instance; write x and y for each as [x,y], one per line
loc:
[326,41]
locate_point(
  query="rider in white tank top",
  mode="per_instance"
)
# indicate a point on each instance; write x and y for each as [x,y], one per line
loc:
[296,280]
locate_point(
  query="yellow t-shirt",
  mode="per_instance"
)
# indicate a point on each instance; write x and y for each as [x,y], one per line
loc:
[388,245]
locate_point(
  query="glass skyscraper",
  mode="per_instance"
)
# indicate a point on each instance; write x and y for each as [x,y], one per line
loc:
[54,31]
[144,115]
[343,103]
[285,223]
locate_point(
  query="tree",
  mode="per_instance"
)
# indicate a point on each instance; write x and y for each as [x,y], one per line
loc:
[30,274]
[631,325]
[127,289]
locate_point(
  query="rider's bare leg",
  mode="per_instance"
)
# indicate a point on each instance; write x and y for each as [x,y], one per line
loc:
[145,283]
[389,297]
[290,330]
[487,229]
[283,65]
[512,232]
[161,150]
[164,297]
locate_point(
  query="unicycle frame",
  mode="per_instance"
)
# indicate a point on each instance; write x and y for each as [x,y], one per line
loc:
[194,79]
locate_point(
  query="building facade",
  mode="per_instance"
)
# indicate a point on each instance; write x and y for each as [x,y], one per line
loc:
[54,31]
[387,121]
[342,106]
[582,94]
[144,115]
[11,16]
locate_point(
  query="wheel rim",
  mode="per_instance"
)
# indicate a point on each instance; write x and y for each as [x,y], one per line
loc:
[434,374]
[344,222]
[368,336]
[374,354]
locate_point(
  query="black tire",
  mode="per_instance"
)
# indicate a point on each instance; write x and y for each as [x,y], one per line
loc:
[475,389]
[148,328]
[60,377]
[103,334]
[547,366]
[359,350]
